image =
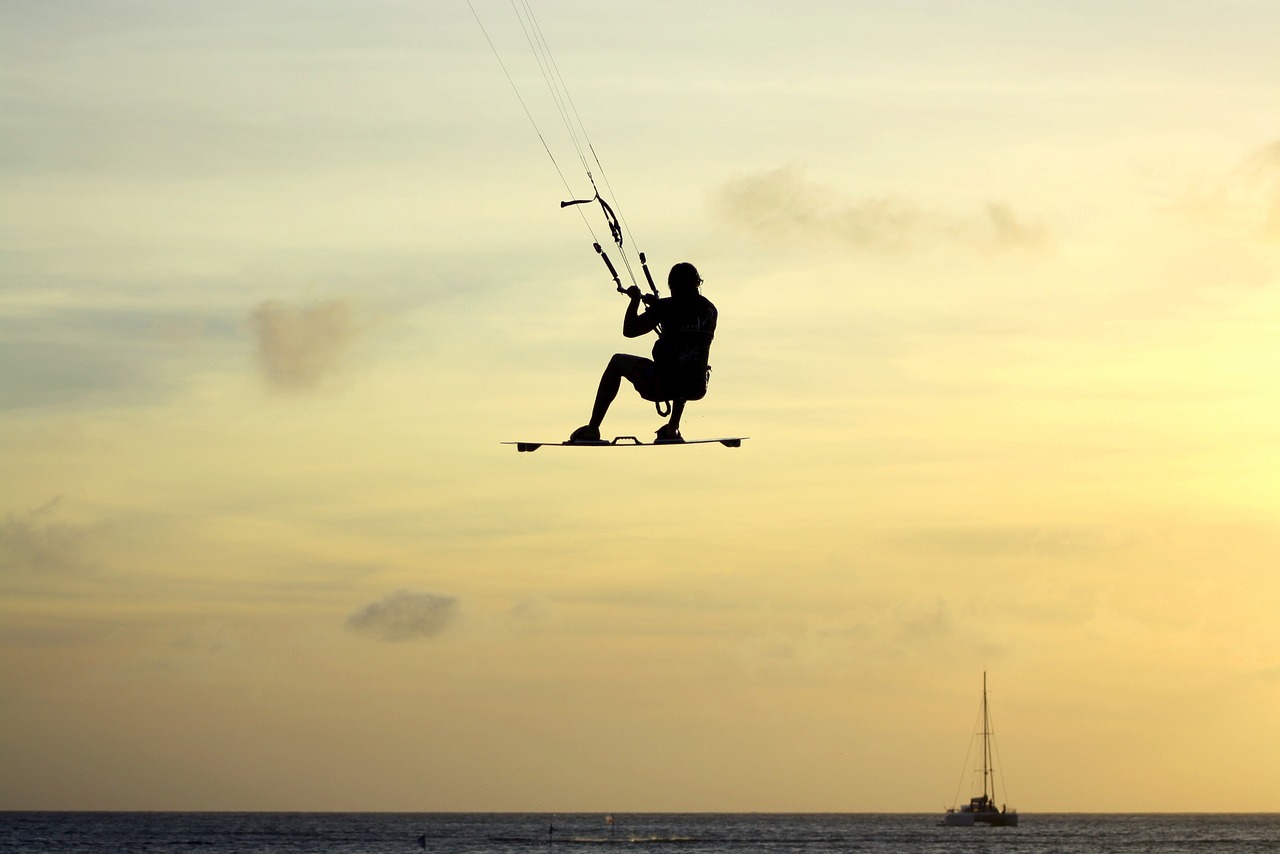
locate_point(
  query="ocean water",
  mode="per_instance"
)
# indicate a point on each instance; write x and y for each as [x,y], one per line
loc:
[646,833]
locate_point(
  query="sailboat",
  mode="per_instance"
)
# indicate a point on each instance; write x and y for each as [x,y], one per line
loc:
[981,809]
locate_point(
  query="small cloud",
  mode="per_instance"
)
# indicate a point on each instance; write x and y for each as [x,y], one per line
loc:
[783,205]
[528,610]
[32,543]
[1009,232]
[1246,197]
[1262,171]
[405,615]
[299,345]
[925,628]
[1053,542]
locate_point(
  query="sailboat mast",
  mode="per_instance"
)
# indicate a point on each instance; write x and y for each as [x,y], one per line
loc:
[986,739]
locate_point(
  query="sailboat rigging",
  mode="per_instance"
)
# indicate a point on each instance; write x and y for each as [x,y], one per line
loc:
[981,809]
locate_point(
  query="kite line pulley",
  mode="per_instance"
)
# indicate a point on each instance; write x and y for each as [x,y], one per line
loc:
[615,230]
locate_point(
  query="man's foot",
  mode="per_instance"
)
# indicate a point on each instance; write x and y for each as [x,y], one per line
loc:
[585,435]
[668,435]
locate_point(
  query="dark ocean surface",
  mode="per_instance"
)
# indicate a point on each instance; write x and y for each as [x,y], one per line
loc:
[643,833]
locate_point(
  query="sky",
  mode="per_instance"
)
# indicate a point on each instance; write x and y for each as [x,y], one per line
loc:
[999,287]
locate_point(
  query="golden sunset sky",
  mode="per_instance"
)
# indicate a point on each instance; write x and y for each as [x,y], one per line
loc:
[999,294]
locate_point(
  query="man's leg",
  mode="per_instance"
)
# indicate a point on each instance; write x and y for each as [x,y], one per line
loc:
[622,365]
[677,410]
[670,432]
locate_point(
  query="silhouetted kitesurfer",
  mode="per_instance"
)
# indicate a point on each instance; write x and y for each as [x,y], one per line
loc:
[677,373]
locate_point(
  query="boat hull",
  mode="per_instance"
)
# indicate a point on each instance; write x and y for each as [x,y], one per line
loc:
[965,818]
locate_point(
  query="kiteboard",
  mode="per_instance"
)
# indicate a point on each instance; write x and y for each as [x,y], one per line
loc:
[627,442]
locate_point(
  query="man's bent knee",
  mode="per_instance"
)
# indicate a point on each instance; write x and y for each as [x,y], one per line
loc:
[625,364]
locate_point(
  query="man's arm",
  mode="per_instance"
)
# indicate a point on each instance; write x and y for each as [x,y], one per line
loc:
[635,324]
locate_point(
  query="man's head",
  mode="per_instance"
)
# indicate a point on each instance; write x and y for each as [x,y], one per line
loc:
[683,279]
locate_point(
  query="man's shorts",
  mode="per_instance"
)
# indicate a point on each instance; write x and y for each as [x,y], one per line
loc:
[643,376]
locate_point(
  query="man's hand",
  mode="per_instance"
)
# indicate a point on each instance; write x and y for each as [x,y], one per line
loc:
[635,293]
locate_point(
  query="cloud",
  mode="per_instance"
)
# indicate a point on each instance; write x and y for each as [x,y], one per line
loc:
[1054,542]
[299,345]
[1004,230]
[783,205]
[32,544]
[925,628]
[1261,171]
[1246,197]
[405,615]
